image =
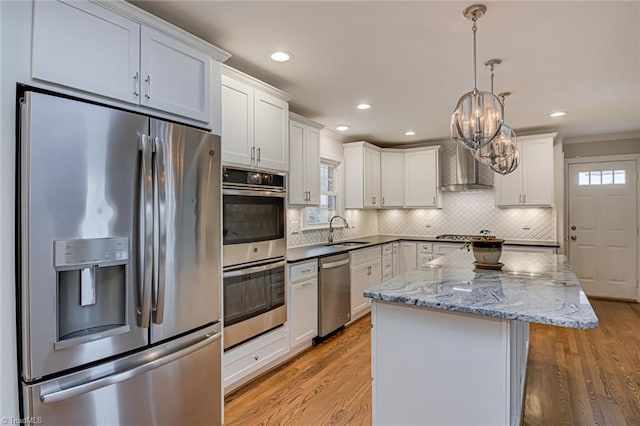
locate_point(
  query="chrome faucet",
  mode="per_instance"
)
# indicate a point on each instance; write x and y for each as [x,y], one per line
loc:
[346,224]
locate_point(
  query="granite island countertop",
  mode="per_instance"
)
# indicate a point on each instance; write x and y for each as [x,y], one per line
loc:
[531,287]
[297,254]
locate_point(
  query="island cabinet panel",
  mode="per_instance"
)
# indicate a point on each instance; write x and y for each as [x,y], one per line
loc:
[438,367]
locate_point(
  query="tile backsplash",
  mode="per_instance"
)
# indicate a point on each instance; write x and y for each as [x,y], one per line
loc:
[468,213]
[462,213]
[362,223]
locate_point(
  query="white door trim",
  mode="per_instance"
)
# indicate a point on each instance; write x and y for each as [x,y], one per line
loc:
[602,159]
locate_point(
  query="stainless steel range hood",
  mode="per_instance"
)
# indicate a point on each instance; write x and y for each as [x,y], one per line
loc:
[461,171]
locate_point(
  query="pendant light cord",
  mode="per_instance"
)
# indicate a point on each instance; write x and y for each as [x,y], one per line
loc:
[475,72]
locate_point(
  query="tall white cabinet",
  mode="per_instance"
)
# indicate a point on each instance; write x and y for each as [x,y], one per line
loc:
[421,177]
[362,175]
[304,161]
[392,178]
[255,122]
[531,184]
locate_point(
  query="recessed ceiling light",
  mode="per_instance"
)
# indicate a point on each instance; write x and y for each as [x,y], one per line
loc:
[342,127]
[558,114]
[410,133]
[363,106]
[281,56]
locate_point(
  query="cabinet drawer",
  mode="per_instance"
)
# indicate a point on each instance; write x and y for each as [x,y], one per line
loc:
[248,358]
[442,249]
[387,249]
[302,271]
[424,258]
[425,247]
[359,257]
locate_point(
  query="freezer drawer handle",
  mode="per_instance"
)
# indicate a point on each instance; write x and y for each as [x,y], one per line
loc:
[335,264]
[62,394]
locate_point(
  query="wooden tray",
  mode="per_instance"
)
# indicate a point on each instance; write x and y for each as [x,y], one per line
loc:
[496,266]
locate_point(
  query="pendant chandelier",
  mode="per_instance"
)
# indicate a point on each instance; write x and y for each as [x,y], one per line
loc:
[501,154]
[477,118]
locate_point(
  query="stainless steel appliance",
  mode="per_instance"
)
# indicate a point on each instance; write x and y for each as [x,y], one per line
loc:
[254,215]
[460,171]
[334,295]
[120,266]
[254,300]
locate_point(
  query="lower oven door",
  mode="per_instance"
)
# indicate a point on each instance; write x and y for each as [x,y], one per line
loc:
[253,225]
[254,301]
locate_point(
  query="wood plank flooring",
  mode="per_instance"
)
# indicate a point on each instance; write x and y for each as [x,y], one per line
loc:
[574,377]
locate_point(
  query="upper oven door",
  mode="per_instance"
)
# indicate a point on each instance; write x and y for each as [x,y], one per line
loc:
[253,225]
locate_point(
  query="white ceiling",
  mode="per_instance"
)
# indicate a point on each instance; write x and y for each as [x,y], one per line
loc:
[413,60]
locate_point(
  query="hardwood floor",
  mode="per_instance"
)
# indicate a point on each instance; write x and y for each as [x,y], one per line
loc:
[574,377]
[326,385]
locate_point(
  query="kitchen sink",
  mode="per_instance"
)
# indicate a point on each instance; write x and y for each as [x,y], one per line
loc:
[347,244]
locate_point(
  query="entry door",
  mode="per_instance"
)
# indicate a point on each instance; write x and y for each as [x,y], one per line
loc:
[603,227]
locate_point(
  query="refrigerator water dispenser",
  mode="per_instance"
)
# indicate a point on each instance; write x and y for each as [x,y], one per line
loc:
[91,289]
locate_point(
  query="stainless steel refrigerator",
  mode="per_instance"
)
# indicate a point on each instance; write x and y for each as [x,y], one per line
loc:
[120,266]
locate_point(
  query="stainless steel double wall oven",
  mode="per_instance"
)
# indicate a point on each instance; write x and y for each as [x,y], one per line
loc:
[254,247]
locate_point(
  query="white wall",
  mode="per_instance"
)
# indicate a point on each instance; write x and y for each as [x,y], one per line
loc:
[15,45]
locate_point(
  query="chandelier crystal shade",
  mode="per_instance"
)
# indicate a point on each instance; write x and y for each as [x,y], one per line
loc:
[477,117]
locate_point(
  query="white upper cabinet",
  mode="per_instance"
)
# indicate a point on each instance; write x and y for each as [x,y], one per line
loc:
[304,161]
[86,47]
[174,77]
[531,184]
[421,177]
[117,51]
[371,178]
[362,175]
[392,178]
[255,123]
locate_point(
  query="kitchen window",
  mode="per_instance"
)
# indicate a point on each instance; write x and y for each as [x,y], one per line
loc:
[330,197]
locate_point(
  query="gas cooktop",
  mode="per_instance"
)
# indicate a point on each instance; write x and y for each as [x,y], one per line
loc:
[457,237]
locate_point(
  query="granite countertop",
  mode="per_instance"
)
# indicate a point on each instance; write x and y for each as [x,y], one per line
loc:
[532,287]
[320,250]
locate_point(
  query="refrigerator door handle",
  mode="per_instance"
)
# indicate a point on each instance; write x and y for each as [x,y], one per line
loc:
[160,256]
[145,232]
[66,393]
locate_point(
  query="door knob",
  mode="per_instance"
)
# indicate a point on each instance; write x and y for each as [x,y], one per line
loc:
[573,238]
[573,228]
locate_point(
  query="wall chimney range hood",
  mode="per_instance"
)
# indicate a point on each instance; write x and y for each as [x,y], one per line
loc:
[461,171]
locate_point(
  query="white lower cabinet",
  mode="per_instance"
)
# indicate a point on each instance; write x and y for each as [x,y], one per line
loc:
[247,361]
[409,256]
[396,259]
[366,271]
[303,303]
[442,249]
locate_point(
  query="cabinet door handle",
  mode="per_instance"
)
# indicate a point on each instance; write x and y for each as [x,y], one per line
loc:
[258,159]
[520,199]
[308,195]
[374,200]
[148,80]
[136,92]
[524,198]
[434,200]
[253,154]
[383,201]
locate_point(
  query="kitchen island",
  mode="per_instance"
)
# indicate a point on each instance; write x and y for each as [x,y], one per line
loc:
[450,342]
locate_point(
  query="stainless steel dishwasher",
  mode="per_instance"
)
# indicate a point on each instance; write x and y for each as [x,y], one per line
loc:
[334,295]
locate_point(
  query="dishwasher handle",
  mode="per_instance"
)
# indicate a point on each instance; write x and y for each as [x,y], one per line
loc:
[331,265]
